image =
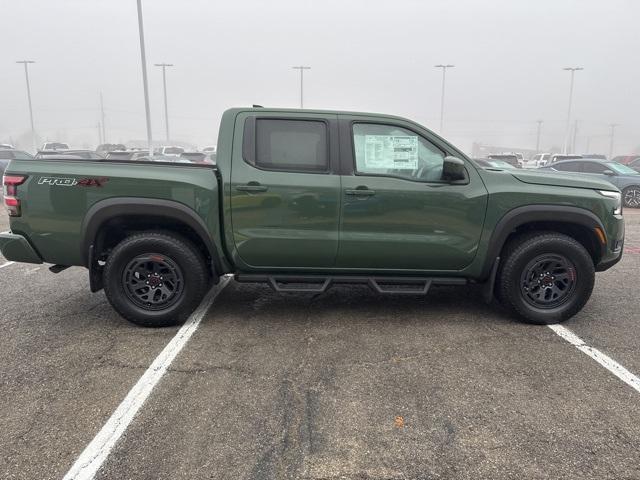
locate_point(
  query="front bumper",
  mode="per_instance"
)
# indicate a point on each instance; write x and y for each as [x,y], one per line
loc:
[615,245]
[16,248]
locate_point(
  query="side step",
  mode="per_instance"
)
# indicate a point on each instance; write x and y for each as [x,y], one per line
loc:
[321,283]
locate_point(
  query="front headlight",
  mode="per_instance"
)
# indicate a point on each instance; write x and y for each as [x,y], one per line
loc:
[617,196]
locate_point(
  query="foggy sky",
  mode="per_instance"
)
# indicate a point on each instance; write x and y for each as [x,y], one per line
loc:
[365,55]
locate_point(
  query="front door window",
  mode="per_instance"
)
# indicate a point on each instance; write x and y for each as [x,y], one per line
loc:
[393,151]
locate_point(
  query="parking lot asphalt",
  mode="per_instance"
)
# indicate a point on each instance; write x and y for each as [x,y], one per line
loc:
[342,385]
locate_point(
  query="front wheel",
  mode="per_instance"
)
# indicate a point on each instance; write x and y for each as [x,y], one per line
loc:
[155,279]
[631,197]
[545,278]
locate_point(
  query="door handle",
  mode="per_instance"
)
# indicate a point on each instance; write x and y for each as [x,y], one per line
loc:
[360,192]
[252,187]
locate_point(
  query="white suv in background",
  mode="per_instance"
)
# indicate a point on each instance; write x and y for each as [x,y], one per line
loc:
[55,146]
[540,160]
[171,151]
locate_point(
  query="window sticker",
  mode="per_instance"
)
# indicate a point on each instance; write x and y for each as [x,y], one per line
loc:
[391,152]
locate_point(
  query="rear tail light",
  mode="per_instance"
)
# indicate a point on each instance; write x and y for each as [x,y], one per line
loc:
[11,183]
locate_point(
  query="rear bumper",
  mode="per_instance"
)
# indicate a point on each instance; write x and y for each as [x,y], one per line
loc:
[16,248]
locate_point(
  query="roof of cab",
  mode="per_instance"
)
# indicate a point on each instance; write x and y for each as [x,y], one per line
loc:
[235,110]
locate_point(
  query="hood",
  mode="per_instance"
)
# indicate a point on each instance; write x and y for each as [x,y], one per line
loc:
[556,179]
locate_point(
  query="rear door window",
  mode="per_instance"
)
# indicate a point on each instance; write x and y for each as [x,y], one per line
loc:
[568,167]
[593,167]
[293,145]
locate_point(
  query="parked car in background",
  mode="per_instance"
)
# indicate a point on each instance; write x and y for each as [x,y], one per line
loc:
[635,164]
[6,155]
[520,158]
[170,151]
[119,155]
[6,146]
[595,156]
[560,157]
[626,159]
[137,155]
[622,176]
[210,149]
[510,158]
[199,157]
[126,155]
[54,146]
[539,160]
[491,163]
[195,157]
[83,154]
[110,147]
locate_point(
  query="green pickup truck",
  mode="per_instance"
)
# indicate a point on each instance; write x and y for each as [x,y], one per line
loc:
[305,199]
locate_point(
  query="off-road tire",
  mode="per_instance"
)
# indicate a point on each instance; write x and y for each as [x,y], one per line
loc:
[514,276]
[167,249]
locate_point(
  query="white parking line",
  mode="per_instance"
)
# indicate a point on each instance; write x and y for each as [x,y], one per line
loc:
[6,264]
[607,362]
[94,455]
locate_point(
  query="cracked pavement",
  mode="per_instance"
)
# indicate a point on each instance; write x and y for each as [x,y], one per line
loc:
[342,385]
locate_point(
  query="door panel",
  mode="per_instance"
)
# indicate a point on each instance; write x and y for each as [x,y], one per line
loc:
[410,225]
[283,218]
[397,212]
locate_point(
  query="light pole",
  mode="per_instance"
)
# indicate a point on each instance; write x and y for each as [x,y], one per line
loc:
[104,136]
[573,70]
[539,122]
[302,68]
[612,126]
[444,73]
[144,78]
[164,84]
[26,74]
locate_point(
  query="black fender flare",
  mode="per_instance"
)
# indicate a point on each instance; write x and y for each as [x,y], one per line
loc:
[110,208]
[536,213]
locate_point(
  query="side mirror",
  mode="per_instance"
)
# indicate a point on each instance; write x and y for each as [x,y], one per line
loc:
[453,170]
[609,173]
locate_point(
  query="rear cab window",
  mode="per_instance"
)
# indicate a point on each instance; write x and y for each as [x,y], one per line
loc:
[289,145]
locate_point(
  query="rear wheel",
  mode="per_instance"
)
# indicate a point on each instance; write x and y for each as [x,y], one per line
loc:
[155,279]
[545,278]
[631,197]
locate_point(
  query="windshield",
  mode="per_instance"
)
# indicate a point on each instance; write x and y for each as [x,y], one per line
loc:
[621,169]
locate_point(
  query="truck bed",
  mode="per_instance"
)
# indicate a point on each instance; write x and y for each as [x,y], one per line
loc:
[60,195]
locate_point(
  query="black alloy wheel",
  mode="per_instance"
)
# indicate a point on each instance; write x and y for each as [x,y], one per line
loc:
[153,281]
[548,280]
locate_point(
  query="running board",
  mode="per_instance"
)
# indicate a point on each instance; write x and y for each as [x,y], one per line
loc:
[321,283]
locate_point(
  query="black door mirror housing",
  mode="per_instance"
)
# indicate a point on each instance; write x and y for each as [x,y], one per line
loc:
[453,170]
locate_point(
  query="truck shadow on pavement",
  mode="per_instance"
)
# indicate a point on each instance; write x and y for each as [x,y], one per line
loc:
[359,304]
